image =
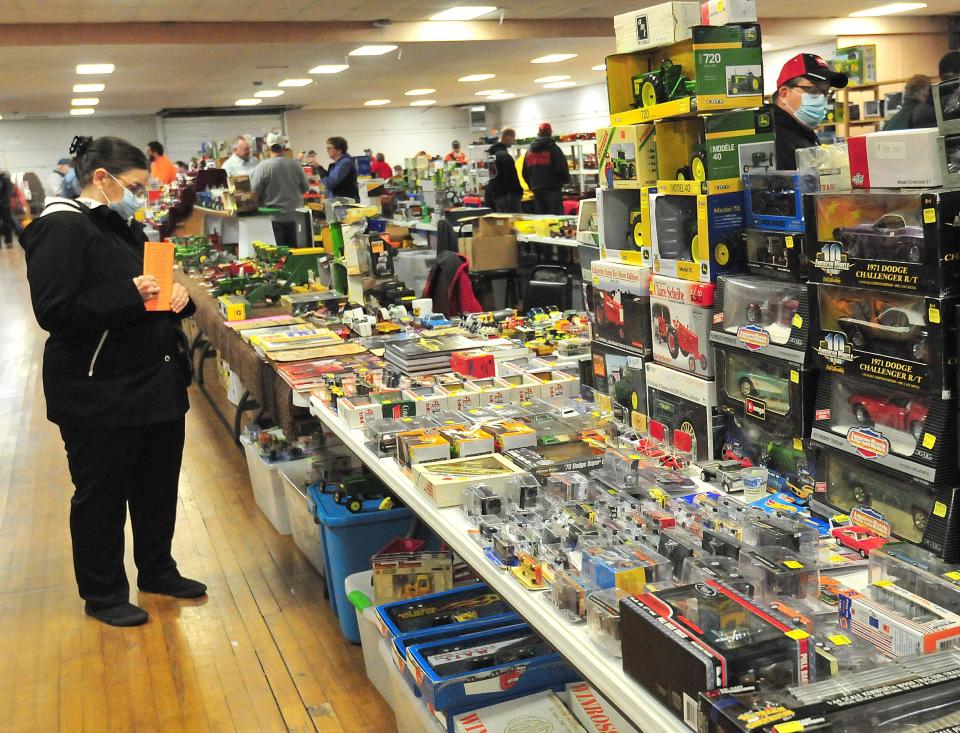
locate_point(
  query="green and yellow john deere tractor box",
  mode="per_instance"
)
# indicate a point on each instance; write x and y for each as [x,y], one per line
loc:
[729,66]
[725,132]
[627,156]
[859,63]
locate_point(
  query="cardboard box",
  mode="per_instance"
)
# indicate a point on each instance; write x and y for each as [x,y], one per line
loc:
[595,713]
[621,305]
[511,434]
[895,159]
[490,253]
[725,133]
[774,200]
[946,103]
[627,156]
[948,157]
[859,63]
[681,401]
[680,319]
[421,446]
[776,255]
[659,25]
[493,225]
[234,307]
[444,481]
[721,12]
[397,233]
[619,375]
[620,228]
[541,711]
[473,364]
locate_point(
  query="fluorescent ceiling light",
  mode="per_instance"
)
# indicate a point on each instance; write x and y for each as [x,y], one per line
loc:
[1,117]
[85,101]
[766,46]
[559,84]
[464,12]
[476,77]
[500,97]
[888,9]
[376,102]
[268,93]
[423,103]
[372,50]
[553,58]
[94,68]
[488,92]
[599,67]
[248,102]
[549,79]
[419,92]
[329,69]
[87,88]
[78,111]
[295,82]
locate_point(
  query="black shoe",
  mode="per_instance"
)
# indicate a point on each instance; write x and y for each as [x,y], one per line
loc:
[177,586]
[122,614]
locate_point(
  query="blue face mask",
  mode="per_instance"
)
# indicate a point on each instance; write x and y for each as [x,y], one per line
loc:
[813,108]
[126,206]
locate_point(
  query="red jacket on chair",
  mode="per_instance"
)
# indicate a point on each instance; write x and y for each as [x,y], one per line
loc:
[448,284]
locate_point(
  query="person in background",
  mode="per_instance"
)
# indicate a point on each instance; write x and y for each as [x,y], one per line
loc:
[241,162]
[800,104]
[397,171]
[341,178]
[369,153]
[456,155]
[503,191]
[182,170]
[54,183]
[280,183]
[9,225]
[70,188]
[115,379]
[311,160]
[380,168]
[546,171]
[161,167]
[916,110]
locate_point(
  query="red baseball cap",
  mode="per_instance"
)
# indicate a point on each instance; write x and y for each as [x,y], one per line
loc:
[545,130]
[812,67]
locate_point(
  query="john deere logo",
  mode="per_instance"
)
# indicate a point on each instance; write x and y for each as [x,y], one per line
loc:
[832,259]
[763,120]
[753,337]
[868,442]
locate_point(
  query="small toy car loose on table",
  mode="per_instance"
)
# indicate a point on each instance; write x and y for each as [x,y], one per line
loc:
[859,539]
[906,414]
[435,320]
[888,238]
[900,329]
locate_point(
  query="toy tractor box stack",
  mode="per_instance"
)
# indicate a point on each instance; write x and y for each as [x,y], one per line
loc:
[627,156]
[621,305]
[680,313]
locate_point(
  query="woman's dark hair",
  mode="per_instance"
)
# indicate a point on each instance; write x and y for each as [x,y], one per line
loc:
[339,143]
[111,153]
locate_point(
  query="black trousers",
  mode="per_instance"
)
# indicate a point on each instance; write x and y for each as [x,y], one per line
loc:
[508,203]
[111,468]
[285,232]
[9,224]
[548,201]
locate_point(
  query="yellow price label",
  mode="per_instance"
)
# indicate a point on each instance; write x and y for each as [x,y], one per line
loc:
[838,559]
[795,376]
[788,241]
[797,444]
[929,441]
[883,583]
[952,575]
[933,314]
[839,640]
[792,726]
[939,509]
[793,564]
[930,215]
[797,320]
[797,634]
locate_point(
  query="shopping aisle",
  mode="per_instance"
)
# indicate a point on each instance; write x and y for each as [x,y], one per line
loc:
[262,653]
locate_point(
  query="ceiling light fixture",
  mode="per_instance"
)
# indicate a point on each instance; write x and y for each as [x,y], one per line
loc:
[85,101]
[419,92]
[476,77]
[599,67]
[78,111]
[488,92]
[295,82]
[549,79]
[87,88]
[888,9]
[553,58]
[423,103]
[464,12]
[329,69]
[376,102]
[766,46]
[268,93]
[500,97]
[559,84]
[94,68]
[248,102]
[372,50]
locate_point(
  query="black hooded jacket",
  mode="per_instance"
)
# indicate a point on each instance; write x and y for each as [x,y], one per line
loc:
[790,135]
[108,361]
[545,165]
[504,180]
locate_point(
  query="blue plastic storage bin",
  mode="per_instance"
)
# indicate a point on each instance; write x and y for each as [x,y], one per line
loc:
[348,542]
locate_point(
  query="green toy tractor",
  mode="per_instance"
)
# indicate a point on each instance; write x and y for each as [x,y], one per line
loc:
[622,168]
[664,84]
[748,83]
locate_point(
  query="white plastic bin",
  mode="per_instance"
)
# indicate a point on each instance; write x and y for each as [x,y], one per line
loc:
[377,671]
[411,712]
[267,488]
[294,476]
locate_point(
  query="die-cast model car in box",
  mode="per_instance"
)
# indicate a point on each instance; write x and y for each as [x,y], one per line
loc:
[777,255]
[895,241]
[905,431]
[774,200]
[888,503]
[764,316]
[788,459]
[894,338]
[680,319]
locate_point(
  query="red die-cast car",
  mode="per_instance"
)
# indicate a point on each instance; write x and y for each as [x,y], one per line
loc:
[906,414]
[857,538]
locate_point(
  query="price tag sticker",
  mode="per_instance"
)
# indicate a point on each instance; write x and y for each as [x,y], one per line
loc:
[839,640]
[939,509]
[795,376]
[793,564]
[929,441]
[933,314]
[788,241]
[797,320]
[930,215]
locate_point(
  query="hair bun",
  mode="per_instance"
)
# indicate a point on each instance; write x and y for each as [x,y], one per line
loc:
[80,144]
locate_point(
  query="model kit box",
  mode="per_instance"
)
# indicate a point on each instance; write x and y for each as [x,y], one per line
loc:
[894,241]
[234,307]
[619,374]
[356,410]
[421,446]
[460,605]
[511,434]
[404,575]
[859,63]
[681,401]
[545,460]
[695,236]
[909,433]
[897,339]
[595,713]
[776,255]
[763,316]
[466,442]
[444,481]
[888,503]
[627,156]
[680,313]
[621,305]
[660,25]
[540,711]
[895,159]
[721,12]
[774,200]
[729,66]
[946,103]
[777,394]
[948,157]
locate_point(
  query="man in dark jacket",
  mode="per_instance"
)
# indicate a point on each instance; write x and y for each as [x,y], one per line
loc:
[503,191]
[800,104]
[546,171]
[917,107]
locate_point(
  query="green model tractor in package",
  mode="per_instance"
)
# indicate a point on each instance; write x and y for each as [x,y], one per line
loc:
[748,83]
[664,84]
[622,168]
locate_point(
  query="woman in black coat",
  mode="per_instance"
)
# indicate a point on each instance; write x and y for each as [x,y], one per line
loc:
[115,378]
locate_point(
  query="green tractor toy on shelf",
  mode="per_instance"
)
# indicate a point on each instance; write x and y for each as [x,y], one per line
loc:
[664,84]
[696,169]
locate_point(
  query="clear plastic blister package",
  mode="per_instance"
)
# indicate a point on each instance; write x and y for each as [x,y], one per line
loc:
[917,571]
[777,573]
[603,619]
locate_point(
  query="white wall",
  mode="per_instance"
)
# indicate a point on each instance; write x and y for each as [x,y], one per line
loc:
[397,133]
[37,145]
[581,109]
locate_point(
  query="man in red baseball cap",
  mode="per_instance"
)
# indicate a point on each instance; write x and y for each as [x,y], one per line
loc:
[546,172]
[800,104]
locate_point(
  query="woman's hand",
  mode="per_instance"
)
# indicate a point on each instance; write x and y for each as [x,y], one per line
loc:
[179,298]
[148,286]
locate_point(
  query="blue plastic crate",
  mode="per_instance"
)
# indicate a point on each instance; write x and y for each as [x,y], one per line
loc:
[348,542]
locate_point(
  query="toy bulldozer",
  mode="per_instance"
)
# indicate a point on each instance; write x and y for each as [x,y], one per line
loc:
[664,84]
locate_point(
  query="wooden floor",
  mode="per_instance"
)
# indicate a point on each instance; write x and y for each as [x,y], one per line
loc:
[262,653]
